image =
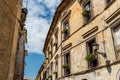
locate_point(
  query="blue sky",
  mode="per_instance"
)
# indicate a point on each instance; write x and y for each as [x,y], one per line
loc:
[40,15]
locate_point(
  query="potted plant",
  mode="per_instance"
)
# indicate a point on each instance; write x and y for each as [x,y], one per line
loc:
[90,57]
[50,52]
[64,30]
[65,65]
[46,79]
[85,13]
[54,72]
[54,44]
[49,76]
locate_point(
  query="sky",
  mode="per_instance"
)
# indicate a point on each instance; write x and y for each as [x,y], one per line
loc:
[39,18]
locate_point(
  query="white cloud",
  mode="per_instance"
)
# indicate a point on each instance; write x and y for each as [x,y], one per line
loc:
[37,23]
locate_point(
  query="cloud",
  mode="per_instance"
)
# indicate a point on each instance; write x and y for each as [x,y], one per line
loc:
[40,14]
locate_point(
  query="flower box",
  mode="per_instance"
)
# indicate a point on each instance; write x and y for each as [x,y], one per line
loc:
[65,66]
[85,13]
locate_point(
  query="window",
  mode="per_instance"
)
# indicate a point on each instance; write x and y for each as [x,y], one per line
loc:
[50,71]
[44,75]
[47,72]
[56,40]
[65,29]
[87,11]
[108,1]
[49,52]
[66,64]
[94,62]
[118,75]
[56,70]
[51,45]
[116,33]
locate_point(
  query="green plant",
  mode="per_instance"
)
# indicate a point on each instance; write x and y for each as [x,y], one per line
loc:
[65,65]
[85,13]
[49,76]
[54,44]
[46,79]
[90,57]
[50,52]
[64,30]
[54,72]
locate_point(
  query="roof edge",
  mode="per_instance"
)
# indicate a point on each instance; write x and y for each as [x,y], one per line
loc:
[59,9]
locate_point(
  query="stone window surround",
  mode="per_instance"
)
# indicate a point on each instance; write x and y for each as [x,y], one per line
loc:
[113,21]
[82,3]
[63,61]
[87,49]
[56,69]
[65,18]
[56,33]
[112,30]
[65,21]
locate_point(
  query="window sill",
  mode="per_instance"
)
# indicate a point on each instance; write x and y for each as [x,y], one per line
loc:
[66,39]
[91,69]
[89,21]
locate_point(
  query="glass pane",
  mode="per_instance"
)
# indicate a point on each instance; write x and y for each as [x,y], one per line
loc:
[117,35]
[118,41]
[66,25]
[87,6]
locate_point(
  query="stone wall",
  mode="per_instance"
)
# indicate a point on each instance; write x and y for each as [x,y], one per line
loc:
[9,24]
[80,34]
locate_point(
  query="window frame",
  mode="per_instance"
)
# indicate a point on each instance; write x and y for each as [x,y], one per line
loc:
[51,48]
[91,63]
[117,51]
[65,18]
[56,69]
[68,31]
[69,63]
[56,39]
[91,10]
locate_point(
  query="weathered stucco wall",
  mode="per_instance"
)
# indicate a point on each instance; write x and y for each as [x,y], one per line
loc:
[78,51]
[9,25]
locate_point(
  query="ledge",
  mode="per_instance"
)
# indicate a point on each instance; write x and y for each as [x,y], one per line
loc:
[67,46]
[113,16]
[90,32]
[91,70]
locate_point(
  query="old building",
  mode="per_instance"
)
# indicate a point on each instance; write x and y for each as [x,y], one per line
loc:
[83,42]
[10,39]
[21,52]
[28,79]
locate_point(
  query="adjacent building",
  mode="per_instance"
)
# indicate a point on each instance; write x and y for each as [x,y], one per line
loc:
[21,52]
[12,39]
[83,42]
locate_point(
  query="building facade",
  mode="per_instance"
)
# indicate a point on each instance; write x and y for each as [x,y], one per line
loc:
[28,79]
[83,42]
[21,52]
[10,30]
